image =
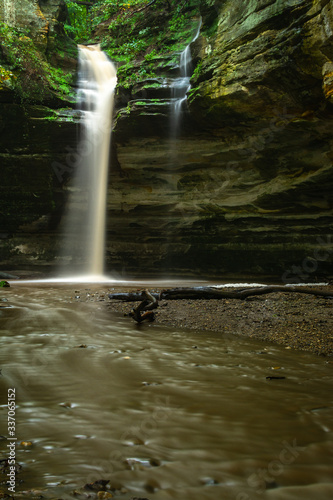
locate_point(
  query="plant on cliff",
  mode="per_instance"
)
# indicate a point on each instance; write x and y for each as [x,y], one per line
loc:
[6,77]
[25,70]
[138,34]
[78,23]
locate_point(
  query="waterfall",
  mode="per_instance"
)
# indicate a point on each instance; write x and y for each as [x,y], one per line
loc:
[179,89]
[86,217]
[181,86]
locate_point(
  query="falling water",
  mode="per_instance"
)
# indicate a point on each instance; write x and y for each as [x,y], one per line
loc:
[179,89]
[87,205]
[181,86]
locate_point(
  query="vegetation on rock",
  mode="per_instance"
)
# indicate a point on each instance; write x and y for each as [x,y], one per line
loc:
[139,35]
[26,70]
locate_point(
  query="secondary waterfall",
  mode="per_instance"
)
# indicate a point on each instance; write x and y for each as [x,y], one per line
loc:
[181,85]
[87,205]
[179,89]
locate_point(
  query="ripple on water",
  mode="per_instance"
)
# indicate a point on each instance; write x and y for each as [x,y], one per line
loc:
[163,414]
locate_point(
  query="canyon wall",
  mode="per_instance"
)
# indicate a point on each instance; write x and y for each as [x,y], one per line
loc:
[37,124]
[249,190]
[245,190]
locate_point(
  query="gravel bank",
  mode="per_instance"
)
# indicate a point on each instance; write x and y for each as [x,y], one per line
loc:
[295,320]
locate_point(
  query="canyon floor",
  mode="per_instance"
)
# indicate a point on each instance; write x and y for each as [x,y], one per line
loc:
[295,320]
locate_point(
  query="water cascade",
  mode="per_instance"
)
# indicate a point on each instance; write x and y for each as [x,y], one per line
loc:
[85,222]
[181,86]
[179,89]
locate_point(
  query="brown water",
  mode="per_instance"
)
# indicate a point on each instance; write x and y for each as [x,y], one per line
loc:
[162,413]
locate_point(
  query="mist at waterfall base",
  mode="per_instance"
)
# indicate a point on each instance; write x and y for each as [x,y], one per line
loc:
[83,247]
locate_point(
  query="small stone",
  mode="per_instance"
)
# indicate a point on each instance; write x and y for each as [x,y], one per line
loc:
[26,444]
[104,494]
[97,486]
[275,378]
[66,404]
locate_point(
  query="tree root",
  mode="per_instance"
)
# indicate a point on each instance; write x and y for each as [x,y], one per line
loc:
[145,309]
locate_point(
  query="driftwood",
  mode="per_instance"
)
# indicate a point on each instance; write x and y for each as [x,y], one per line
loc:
[145,309]
[197,293]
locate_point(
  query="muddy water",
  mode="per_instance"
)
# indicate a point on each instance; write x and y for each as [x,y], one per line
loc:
[163,414]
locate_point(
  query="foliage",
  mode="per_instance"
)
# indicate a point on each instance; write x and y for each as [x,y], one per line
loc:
[193,93]
[129,74]
[138,34]
[25,69]
[78,23]
[153,54]
[6,77]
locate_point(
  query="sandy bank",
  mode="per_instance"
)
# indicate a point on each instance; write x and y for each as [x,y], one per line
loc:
[296,320]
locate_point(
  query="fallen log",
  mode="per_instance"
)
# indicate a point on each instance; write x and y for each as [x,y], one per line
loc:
[207,293]
[215,293]
[130,296]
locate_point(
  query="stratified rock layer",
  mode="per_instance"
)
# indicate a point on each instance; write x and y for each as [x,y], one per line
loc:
[246,189]
[35,140]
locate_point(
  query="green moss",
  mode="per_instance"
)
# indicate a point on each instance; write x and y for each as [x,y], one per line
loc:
[60,115]
[25,70]
[139,36]
[130,73]
[151,86]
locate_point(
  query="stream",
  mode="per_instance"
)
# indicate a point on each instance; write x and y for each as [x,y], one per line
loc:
[161,413]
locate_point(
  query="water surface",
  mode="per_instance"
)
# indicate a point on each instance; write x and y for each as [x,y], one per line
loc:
[161,413]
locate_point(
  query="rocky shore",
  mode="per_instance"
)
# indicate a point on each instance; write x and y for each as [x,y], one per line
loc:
[295,320]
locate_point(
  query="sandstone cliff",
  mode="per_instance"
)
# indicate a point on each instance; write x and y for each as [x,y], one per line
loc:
[246,188]
[249,188]
[37,67]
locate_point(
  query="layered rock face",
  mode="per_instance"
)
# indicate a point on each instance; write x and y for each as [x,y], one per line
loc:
[244,188]
[247,188]
[35,139]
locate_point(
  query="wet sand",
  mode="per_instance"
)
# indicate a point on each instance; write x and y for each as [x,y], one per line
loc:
[295,320]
